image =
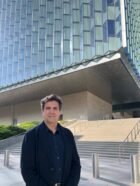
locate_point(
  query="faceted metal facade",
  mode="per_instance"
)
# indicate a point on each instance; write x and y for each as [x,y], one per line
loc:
[41,36]
[132,16]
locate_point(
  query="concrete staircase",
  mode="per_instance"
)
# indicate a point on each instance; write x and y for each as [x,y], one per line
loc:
[5,143]
[107,149]
[87,148]
[14,149]
[103,130]
[103,137]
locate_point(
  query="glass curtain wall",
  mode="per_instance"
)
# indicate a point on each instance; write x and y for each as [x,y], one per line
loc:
[42,36]
[132,13]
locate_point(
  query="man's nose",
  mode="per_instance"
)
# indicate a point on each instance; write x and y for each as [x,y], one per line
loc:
[51,110]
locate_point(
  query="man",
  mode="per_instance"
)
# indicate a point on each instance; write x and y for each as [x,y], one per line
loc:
[49,156]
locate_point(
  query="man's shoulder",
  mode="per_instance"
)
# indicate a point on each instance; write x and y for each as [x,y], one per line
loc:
[65,130]
[34,131]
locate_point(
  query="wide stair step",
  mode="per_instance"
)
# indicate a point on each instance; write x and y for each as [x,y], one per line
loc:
[107,149]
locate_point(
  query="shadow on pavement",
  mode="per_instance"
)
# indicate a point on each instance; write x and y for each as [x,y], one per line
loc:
[111,181]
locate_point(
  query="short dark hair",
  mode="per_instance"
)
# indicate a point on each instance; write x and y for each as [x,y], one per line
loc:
[52,97]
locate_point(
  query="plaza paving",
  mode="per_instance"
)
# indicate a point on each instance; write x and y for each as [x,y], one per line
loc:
[112,173]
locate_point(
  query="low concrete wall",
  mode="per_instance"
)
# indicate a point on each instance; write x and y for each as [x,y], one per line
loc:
[6,115]
[75,106]
[29,111]
[98,108]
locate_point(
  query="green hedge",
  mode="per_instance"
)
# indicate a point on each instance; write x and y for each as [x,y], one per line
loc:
[8,131]
[28,125]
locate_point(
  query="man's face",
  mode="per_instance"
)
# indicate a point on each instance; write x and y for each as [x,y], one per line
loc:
[51,112]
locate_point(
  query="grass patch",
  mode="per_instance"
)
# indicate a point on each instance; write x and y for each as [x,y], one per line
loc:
[7,131]
[28,125]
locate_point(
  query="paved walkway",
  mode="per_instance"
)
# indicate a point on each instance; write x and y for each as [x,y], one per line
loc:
[112,173]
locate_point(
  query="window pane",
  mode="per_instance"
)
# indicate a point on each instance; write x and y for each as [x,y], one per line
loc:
[42,22]
[58,25]
[66,8]
[42,45]
[99,48]
[76,29]
[42,11]
[41,57]
[76,42]
[49,53]
[76,4]
[99,33]
[49,6]
[98,18]
[66,45]
[35,49]
[57,37]
[86,10]
[110,2]
[35,15]
[57,3]
[42,2]
[98,5]
[35,37]
[87,38]
[57,50]
[66,20]
[41,68]
[42,33]
[87,52]
[49,41]
[49,17]
[76,55]
[66,32]
[111,12]
[76,16]
[49,29]
[58,13]
[66,59]
[111,28]
[86,22]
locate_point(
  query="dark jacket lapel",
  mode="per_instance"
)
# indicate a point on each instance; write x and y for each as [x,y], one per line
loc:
[44,142]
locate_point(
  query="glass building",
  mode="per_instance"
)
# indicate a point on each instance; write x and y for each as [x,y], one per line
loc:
[132,50]
[89,48]
[42,36]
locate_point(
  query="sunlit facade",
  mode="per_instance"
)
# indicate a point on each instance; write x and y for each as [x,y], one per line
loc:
[132,17]
[41,36]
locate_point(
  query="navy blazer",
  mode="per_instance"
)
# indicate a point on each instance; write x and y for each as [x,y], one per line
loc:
[37,163]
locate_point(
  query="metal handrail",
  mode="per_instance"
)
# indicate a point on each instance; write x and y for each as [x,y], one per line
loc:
[129,138]
[131,132]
